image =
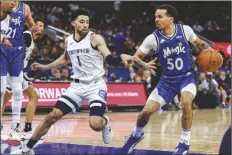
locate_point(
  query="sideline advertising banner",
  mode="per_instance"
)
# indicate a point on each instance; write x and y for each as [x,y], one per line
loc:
[119,94]
[224,46]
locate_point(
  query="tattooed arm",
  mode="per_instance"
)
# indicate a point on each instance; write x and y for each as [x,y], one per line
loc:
[200,45]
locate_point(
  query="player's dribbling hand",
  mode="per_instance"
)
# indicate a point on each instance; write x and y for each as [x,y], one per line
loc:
[37,66]
[6,42]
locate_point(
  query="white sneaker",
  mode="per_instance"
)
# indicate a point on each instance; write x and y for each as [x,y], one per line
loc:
[26,135]
[107,132]
[24,151]
[14,134]
[4,136]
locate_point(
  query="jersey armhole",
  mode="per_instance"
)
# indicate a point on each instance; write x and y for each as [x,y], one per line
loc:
[95,48]
[182,29]
[157,41]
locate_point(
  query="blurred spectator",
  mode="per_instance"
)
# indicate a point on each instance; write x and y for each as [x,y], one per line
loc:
[224,86]
[212,93]
[55,74]
[64,74]
[197,27]
[106,75]
[120,42]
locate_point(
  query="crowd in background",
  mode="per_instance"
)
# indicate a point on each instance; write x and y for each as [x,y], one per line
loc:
[124,25]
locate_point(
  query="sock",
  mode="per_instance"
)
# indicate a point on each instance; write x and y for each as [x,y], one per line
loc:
[31,143]
[137,131]
[105,120]
[185,136]
[27,127]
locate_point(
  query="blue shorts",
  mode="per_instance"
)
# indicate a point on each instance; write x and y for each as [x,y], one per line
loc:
[11,60]
[168,87]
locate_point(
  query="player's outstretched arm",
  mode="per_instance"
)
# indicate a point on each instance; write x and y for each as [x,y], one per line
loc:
[61,61]
[30,22]
[99,43]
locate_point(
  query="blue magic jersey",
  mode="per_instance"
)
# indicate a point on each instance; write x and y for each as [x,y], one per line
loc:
[174,52]
[16,26]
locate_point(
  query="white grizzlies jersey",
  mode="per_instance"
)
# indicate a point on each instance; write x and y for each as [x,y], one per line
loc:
[28,50]
[87,63]
[4,26]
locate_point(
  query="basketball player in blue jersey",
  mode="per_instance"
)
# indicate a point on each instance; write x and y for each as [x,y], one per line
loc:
[170,41]
[27,86]
[21,14]
[5,9]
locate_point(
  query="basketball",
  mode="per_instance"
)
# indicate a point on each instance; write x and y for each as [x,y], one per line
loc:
[210,60]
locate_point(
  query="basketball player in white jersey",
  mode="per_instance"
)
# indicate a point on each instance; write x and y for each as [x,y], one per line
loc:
[87,52]
[27,86]
[5,10]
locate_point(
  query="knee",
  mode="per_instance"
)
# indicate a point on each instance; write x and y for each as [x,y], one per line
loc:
[34,96]
[96,124]
[186,104]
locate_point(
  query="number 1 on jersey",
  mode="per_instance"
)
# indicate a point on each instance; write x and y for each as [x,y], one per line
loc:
[79,60]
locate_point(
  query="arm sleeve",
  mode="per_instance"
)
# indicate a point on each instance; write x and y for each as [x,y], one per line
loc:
[148,44]
[27,39]
[189,33]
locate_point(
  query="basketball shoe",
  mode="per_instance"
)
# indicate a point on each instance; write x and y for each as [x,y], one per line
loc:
[107,132]
[182,149]
[131,143]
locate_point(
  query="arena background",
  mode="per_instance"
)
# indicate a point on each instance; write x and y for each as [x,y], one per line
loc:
[124,25]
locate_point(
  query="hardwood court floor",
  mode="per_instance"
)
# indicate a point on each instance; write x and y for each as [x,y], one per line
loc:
[162,132]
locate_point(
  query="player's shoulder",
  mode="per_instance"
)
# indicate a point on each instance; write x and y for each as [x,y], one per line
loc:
[186,27]
[95,37]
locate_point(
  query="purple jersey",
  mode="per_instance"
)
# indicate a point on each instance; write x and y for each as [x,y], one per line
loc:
[16,26]
[174,52]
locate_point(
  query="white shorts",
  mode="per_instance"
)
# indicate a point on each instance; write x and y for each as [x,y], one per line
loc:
[77,93]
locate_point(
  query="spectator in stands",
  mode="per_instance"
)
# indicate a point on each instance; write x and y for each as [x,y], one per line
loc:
[45,54]
[197,27]
[212,93]
[224,86]
[120,42]
[55,74]
[106,75]
[65,74]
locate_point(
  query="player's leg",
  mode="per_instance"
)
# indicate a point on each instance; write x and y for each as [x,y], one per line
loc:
[98,121]
[188,93]
[3,89]
[30,110]
[3,67]
[15,69]
[57,113]
[158,98]
[67,103]
[16,105]
[6,99]
[225,147]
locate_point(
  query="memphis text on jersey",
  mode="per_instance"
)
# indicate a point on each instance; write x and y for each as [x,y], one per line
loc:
[82,50]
